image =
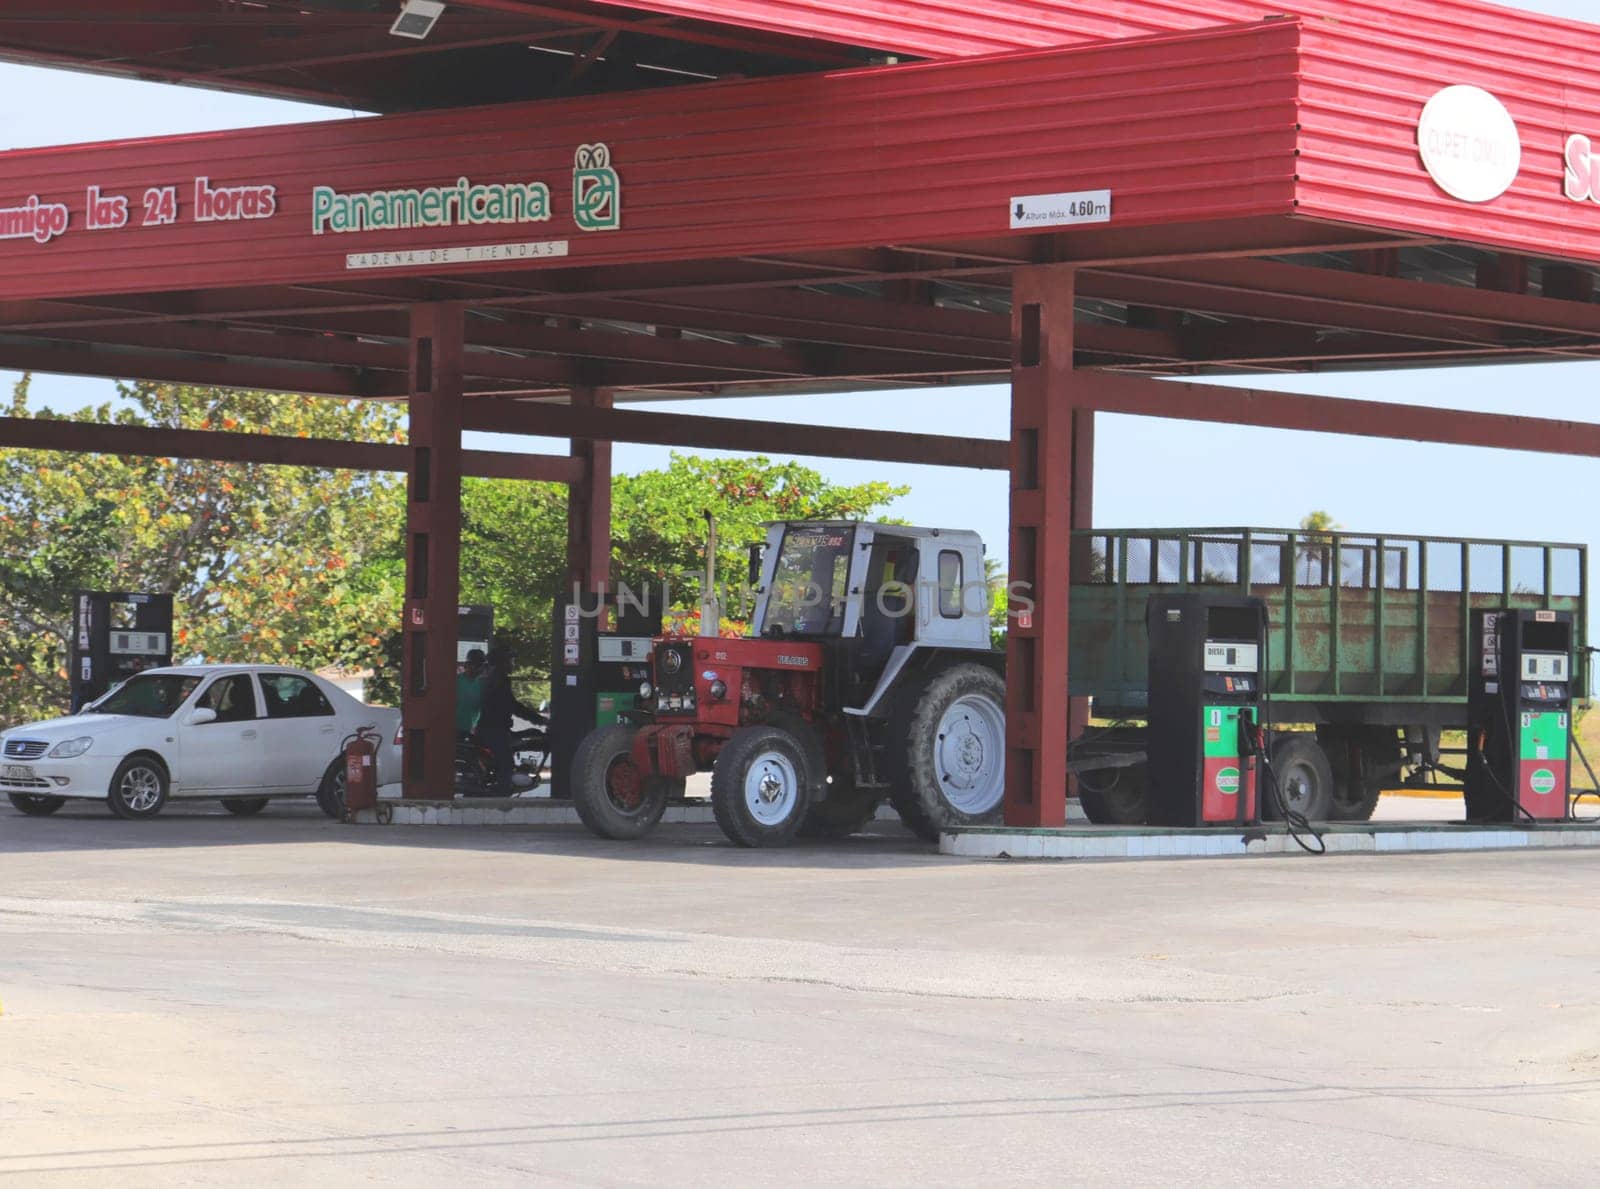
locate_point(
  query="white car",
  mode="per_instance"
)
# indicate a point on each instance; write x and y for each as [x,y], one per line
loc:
[242,733]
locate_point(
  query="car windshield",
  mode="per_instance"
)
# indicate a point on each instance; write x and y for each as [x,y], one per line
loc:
[808,586]
[150,696]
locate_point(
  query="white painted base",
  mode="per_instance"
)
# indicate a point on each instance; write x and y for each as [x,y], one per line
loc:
[1084,844]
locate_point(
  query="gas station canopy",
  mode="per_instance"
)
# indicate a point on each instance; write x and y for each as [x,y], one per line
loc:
[1248,197]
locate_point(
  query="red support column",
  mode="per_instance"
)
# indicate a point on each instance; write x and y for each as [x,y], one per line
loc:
[433,552]
[1042,459]
[1083,552]
[589,503]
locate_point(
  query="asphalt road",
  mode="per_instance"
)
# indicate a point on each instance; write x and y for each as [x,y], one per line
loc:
[283,1000]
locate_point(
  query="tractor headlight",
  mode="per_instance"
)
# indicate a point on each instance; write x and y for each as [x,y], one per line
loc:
[645,690]
[718,690]
[71,748]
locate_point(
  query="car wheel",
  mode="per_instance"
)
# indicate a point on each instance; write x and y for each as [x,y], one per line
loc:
[36,806]
[138,788]
[330,793]
[244,806]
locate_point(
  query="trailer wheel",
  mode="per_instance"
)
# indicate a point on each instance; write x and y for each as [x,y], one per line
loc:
[846,810]
[761,786]
[612,796]
[1116,800]
[36,806]
[1360,758]
[1304,776]
[947,751]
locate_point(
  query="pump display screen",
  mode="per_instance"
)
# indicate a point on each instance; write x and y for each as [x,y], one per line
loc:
[1544,666]
[1225,657]
[138,644]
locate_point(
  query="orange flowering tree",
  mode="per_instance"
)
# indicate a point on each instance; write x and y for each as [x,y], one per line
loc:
[265,563]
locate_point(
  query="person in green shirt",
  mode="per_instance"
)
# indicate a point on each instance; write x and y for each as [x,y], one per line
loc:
[469,692]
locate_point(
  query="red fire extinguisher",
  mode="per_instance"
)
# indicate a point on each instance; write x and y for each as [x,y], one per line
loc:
[361,771]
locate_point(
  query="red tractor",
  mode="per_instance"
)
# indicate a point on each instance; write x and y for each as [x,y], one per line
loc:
[869,673]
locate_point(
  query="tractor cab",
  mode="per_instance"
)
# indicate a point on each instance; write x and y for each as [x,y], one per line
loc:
[883,590]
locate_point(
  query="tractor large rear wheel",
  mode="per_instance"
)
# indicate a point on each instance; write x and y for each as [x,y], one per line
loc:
[613,797]
[947,751]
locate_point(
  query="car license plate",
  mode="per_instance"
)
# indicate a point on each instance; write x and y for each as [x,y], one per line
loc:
[18,772]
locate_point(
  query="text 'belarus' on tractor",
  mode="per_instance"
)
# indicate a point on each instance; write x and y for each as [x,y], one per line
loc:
[868,674]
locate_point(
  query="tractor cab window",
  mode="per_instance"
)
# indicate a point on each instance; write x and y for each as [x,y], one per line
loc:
[810,582]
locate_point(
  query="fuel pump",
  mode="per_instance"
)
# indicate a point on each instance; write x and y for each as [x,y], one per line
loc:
[116,634]
[1207,670]
[603,653]
[1519,716]
[474,629]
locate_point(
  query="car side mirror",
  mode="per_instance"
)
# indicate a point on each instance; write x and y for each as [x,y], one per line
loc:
[200,717]
[753,560]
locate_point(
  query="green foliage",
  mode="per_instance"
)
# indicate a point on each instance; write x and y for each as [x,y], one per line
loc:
[265,563]
[658,517]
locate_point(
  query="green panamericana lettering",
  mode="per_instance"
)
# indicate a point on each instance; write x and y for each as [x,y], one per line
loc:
[435,206]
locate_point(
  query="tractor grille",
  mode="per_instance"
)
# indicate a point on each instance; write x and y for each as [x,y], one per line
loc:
[24,749]
[674,664]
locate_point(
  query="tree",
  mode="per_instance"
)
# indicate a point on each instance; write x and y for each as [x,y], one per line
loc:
[265,563]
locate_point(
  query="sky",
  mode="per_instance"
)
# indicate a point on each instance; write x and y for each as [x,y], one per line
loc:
[1149,473]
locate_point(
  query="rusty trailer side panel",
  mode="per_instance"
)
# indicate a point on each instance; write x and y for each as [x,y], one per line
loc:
[1363,628]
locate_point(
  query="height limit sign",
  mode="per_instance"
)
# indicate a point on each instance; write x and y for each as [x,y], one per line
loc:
[1034,211]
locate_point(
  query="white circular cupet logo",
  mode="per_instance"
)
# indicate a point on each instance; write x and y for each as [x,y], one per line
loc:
[1469,144]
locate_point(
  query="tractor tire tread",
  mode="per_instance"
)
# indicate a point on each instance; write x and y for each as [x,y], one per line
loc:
[914,789]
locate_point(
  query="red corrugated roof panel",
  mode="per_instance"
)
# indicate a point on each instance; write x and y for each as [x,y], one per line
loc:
[955,28]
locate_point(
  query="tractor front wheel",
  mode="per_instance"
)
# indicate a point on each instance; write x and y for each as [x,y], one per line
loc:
[948,751]
[761,786]
[613,796]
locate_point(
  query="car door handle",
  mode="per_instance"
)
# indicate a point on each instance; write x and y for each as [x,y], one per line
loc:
[326,731]
[247,735]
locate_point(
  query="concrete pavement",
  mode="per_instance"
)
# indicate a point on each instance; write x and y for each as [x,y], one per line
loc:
[283,1000]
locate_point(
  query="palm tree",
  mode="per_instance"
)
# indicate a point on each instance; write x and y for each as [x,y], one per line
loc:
[1315,543]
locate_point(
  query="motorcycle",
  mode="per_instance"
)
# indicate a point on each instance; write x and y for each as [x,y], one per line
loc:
[475,772]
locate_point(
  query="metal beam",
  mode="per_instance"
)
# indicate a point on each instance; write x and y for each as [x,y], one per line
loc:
[138,441]
[85,360]
[726,433]
[1266,409]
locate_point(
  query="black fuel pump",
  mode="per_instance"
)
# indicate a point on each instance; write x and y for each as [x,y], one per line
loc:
[1207,669]
[116,634]
[602,657]
[474,629]
[1519,716]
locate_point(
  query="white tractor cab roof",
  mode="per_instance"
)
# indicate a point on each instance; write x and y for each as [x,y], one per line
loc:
[896,588]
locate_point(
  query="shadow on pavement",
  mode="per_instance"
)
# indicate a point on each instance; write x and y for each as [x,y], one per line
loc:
[88,826]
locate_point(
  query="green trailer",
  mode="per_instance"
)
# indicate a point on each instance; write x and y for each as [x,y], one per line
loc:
[1368,642]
